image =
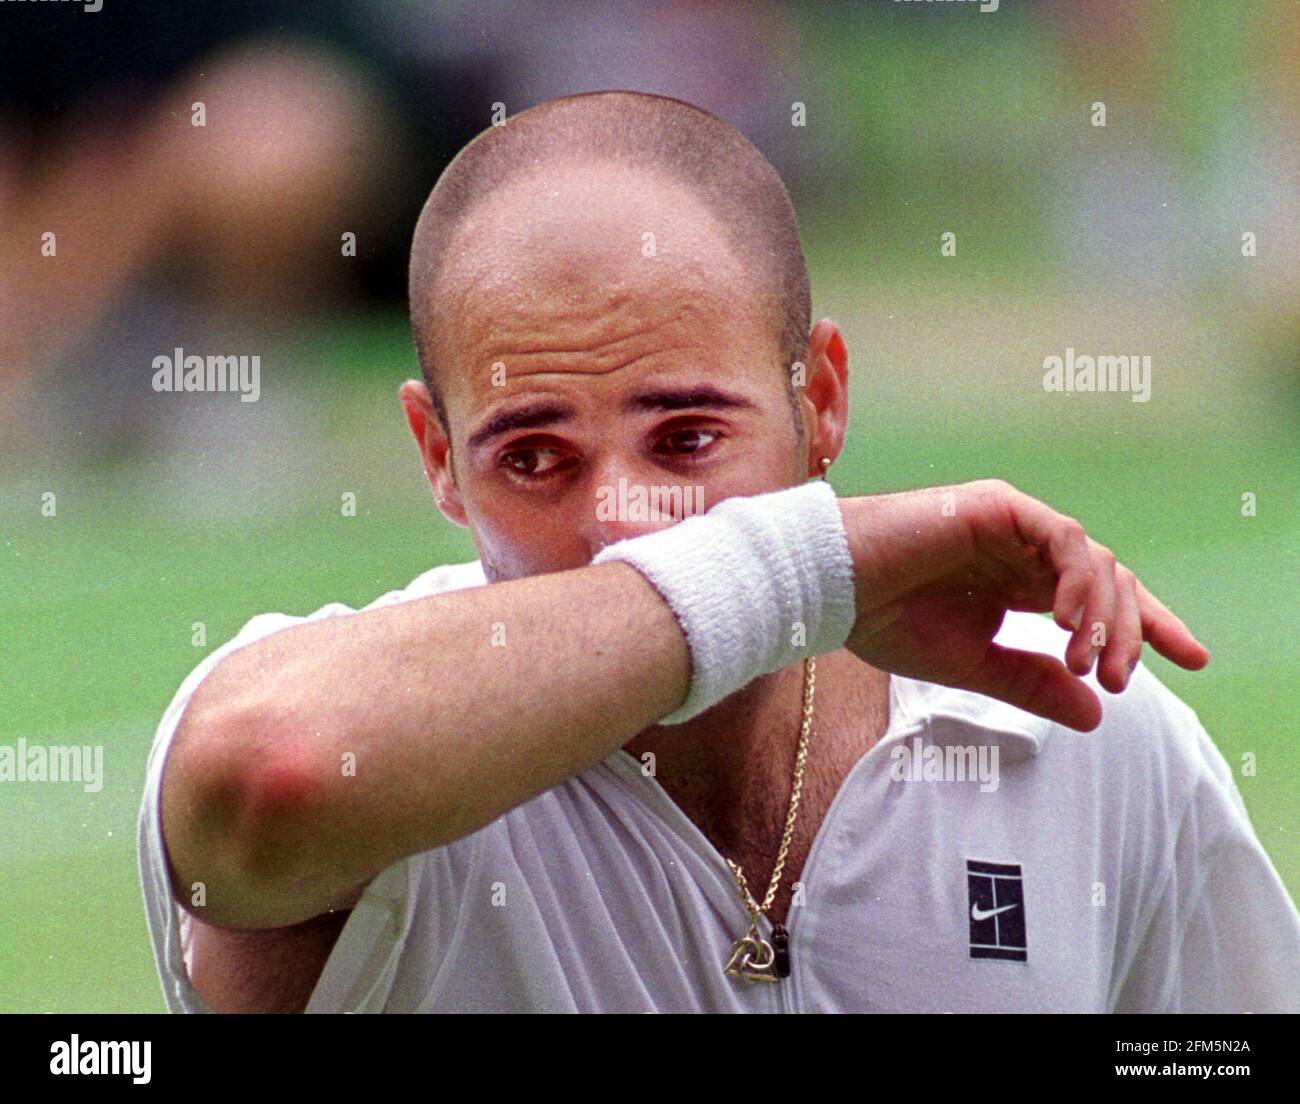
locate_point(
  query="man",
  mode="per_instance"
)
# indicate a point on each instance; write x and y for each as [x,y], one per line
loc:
[596,770]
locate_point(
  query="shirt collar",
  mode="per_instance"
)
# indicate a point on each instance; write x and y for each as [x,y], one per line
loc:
[962,717]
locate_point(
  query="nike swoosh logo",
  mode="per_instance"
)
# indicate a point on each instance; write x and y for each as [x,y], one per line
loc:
[977,913]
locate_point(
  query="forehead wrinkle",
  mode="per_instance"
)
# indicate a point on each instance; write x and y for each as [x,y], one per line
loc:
[518,373]
[516,314]
[605,338]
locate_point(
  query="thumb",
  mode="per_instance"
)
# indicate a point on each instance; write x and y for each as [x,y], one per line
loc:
[1037,683]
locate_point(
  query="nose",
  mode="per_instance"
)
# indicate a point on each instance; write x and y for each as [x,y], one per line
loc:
[626,504]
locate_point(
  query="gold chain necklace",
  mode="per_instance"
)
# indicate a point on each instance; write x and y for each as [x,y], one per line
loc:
[752,957]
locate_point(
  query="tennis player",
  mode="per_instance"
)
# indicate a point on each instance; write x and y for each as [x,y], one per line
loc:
[784,752]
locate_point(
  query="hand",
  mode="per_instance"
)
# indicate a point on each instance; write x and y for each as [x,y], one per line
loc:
[936,571]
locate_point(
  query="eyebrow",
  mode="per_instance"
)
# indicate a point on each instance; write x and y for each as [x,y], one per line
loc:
[533,415]
[688,398]
[538,415]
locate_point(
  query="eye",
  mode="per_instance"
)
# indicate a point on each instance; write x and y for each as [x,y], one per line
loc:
[532,462]
[686,442]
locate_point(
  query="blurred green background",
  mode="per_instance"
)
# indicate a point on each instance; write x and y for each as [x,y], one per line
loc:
[1122,239]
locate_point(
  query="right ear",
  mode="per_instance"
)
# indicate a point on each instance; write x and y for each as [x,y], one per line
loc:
[435,449]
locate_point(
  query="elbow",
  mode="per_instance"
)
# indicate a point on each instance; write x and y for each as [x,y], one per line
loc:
[242,801]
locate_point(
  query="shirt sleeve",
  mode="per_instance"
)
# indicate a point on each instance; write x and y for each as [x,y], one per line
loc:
[1225,934]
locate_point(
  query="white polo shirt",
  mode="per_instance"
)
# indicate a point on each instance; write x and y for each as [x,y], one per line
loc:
[1113,871]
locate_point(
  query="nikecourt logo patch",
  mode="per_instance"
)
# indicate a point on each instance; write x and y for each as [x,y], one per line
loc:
[997,910]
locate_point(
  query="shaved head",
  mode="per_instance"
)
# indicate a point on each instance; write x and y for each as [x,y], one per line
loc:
[564,190]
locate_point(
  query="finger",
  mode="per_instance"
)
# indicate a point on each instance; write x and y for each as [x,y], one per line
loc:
[1125,644]
[1099,614]
[1066,546]
[1167,634]
[1038,684]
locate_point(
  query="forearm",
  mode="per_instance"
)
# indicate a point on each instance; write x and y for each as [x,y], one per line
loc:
[312,759]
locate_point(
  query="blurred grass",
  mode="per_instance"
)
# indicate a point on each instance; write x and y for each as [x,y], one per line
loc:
[103,598]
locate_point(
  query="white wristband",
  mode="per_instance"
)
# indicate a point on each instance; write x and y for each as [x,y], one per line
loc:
[757,583]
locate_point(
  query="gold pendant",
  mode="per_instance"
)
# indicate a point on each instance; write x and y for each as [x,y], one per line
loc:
[752,958]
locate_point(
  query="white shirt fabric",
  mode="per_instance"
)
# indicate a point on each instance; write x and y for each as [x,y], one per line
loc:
[1141,888]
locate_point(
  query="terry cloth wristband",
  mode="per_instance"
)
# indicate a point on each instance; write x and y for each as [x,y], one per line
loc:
[757,583]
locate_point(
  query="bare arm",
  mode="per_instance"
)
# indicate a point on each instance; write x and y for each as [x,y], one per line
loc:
[446,731]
